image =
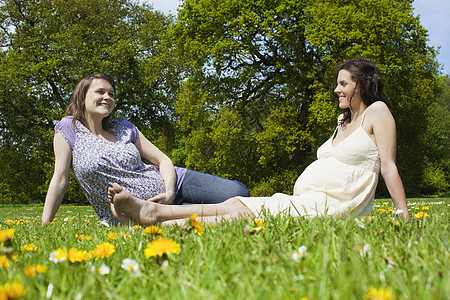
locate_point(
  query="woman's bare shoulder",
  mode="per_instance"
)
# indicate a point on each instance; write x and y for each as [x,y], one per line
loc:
[379,110]
[379,116]
[378,106]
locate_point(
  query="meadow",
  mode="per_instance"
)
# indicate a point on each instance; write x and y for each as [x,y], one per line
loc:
[377,257]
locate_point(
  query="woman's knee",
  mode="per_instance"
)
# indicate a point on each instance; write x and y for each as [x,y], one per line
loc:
[239,189]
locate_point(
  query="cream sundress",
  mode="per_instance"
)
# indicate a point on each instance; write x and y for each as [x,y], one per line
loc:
[343,178]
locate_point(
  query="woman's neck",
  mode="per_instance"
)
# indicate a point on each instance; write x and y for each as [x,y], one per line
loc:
[95,125]
[357,112]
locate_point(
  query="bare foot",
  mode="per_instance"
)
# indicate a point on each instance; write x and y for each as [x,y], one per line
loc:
[124,220]
[135,209]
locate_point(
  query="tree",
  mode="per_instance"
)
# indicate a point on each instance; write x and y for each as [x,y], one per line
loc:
[47,47]
[436,179]
[271,61]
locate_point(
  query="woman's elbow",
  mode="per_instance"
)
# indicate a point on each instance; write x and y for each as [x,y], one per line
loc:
[59,182]
[389,170]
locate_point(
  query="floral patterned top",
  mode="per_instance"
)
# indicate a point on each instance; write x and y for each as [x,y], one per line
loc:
[97,164]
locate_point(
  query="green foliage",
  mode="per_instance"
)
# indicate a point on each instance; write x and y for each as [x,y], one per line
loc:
[263,59]
[47,47]
[220,147]
[281,181]
[436,180]
[436,176]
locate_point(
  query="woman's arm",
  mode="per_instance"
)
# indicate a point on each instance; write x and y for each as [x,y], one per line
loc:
[165,165]
[385,137]
[60,179]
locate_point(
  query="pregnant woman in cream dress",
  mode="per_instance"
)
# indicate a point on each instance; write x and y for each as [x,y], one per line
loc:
[343,178]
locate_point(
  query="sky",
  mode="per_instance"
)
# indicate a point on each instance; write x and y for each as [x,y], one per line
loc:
[434,16]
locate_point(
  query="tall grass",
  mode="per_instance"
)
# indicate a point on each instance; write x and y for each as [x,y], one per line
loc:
[345,258]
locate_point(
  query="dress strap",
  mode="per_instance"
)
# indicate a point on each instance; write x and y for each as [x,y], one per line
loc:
[334,133]
[363,117]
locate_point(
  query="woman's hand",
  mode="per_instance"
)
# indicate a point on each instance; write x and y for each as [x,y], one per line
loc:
[163,198]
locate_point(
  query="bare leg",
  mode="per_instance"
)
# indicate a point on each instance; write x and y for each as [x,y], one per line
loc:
[147,212]
[206,220]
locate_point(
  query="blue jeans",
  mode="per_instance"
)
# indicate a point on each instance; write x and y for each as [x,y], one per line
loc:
[202,188]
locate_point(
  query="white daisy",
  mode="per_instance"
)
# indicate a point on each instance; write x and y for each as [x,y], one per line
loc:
[130,265]
[299,253]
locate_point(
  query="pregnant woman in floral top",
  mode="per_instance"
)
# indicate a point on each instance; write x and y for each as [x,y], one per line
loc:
[101,151]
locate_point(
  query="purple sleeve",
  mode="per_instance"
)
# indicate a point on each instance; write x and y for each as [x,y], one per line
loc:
[67,128]
[129,125]
[180,172]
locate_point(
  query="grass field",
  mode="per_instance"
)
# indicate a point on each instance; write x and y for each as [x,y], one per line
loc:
[379,257]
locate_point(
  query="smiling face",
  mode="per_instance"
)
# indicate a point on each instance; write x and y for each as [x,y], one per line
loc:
[99,100]
[346,89]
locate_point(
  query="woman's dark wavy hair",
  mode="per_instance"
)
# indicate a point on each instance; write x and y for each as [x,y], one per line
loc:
[368,80]
[77,106]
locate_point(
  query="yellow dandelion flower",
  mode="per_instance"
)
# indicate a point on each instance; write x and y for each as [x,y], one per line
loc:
[21,222]
[103,250]
[196,225]
[425,208]
[58,255]
[378,294]
[259,222]
[422,215]
[41,268]
[112,235]
[153,230]
[76,255]
[32,270]
[82,237]
[382,211]
[10,222]
[416,208]
[14,258]
[258,229]
[137,227]
[12,290]
[6,234]
[28,247]
[125,235]
[160,247]
[4,262]
[29,271]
